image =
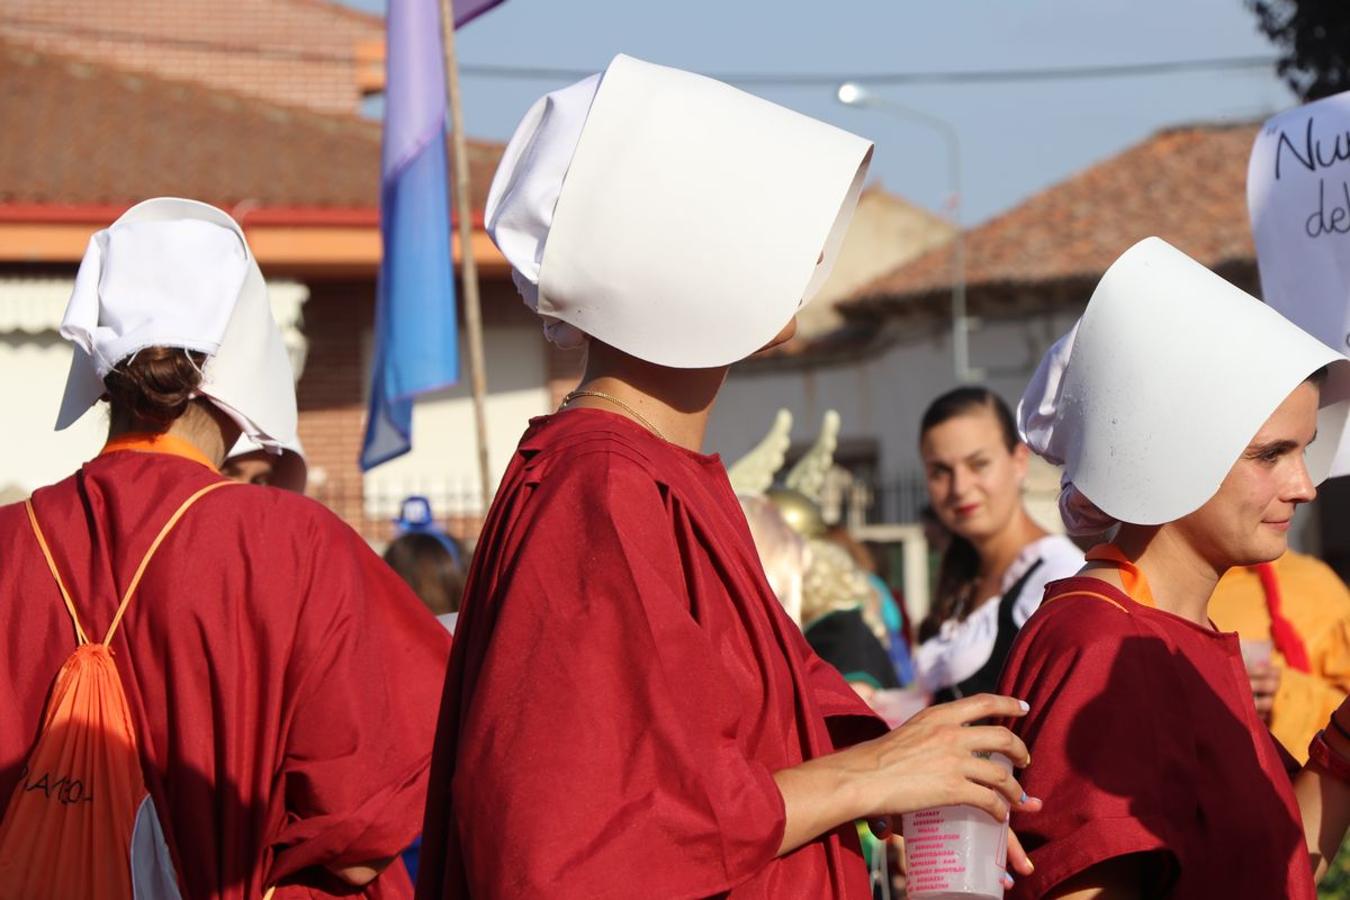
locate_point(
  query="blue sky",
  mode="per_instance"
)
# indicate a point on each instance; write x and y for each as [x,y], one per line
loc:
[1015,138]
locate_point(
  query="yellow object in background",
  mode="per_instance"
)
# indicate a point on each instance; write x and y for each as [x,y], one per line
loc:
[1317,603]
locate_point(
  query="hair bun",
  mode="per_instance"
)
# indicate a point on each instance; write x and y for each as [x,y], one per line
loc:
[155,386]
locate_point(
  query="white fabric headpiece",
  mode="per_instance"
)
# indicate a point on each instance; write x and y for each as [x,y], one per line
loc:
[246,445]
[179,273]
[1152,397]
[292,465]
[1037,412]
[670,215]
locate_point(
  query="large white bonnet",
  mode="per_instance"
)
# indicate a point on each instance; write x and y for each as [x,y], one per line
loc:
[179,273]
[669,215]
[1163,383]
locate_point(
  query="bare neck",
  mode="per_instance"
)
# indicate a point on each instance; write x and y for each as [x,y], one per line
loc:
[202,425]
[675,403]
[998,551]
[1180,577]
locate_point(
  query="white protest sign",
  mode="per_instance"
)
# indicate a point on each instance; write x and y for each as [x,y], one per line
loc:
[1298,195]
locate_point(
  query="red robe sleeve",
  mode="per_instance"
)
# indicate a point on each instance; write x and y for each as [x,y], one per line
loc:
[847,716]
[597,755]
[357,748]
[1107,762]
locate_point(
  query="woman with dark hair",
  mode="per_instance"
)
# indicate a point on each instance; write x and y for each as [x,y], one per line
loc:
[425,563]
[279,681]
[997,561]
[429,560]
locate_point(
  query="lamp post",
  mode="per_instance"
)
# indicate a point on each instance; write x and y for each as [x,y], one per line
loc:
[855,95]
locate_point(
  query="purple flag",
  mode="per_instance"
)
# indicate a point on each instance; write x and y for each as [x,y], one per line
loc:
[416,341]
[416,334]
[468,10]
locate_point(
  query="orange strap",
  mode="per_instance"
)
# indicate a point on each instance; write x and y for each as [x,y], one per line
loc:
[1131,579]
[80,638]
[1093,594]
[80,635]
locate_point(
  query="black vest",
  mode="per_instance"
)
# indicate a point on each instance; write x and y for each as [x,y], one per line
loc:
[985,680]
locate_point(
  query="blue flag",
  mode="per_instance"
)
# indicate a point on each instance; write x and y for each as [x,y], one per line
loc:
[416,337]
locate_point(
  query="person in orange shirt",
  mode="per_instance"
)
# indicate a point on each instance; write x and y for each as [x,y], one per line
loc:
[1302,608]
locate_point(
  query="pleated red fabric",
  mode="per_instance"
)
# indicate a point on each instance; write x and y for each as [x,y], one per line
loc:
[623,687]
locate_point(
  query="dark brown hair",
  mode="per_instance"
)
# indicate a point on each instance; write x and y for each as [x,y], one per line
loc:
[152,388]
[959,570]
[426,565]
[965,400]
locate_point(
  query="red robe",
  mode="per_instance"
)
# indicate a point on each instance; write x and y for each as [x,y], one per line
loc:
[1144,739]
[623,687]
[282,679]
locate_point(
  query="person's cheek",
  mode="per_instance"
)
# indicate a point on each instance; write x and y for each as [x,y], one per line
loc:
[999,483]
[937,494]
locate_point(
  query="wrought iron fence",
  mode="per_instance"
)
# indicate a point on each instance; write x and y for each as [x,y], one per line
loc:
[896,501]
[859,500]
[370,505]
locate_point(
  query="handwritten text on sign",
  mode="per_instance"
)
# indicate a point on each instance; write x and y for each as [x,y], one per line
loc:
[1315,155]
[1298,195]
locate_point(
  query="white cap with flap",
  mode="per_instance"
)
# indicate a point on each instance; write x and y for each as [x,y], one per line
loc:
[669,215]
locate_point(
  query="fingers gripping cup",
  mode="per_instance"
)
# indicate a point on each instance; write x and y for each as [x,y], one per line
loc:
[956,851]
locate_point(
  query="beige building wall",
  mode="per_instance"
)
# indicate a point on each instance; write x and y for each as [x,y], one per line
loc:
[443,463]
[885,233]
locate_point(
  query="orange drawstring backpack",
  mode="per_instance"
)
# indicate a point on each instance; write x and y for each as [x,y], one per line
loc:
[81,823]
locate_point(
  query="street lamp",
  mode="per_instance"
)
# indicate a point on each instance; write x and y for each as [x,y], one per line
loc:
[853,94]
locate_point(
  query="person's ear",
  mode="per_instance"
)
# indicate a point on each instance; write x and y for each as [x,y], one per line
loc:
[1021,456]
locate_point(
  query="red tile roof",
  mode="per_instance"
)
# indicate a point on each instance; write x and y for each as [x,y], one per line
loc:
[292,52]
[85,135]
[1186,185]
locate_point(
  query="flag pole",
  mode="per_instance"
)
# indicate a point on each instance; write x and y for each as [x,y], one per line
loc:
[473,319]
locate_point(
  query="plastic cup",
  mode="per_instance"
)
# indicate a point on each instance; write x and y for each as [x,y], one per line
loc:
[1254,653]
[955,851]
[898,705]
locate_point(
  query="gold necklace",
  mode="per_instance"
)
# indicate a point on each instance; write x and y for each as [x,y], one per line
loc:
[617,402]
